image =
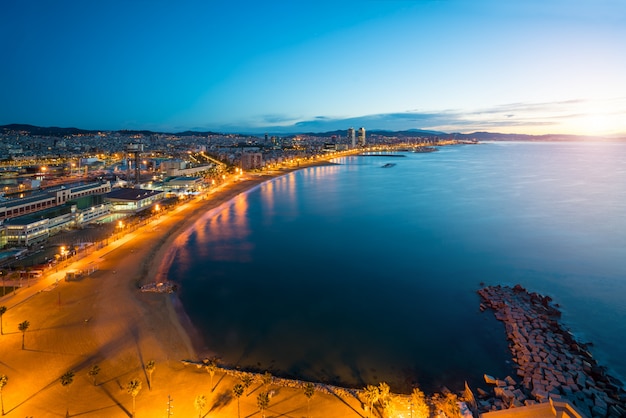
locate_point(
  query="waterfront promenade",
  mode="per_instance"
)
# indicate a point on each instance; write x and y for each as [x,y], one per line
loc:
[103,319]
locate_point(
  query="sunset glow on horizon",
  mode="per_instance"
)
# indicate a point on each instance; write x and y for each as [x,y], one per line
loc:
[534,67]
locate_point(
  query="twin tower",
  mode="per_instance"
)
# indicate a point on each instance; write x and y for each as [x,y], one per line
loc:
[352,137]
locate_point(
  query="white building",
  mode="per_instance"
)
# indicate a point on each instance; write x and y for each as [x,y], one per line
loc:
[351,137]
[361,137]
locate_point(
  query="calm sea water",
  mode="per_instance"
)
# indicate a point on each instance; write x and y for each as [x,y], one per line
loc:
[356,274]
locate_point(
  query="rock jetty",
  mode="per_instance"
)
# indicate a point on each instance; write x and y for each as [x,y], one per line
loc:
[550,363]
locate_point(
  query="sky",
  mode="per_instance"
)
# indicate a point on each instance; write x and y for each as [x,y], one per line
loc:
[532,66]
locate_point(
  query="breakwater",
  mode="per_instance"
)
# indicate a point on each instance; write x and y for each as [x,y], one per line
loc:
[550,362]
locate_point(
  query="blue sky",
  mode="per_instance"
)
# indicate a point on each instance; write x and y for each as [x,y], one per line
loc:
[532,66]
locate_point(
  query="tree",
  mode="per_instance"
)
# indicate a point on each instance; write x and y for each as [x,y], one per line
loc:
[263,401]
[384,395]
[447,404]
[133,387]
[238,391]
[200,403]
[211,366]
[93,373]
[3,310]
[66,380]
[246,380]
[451,405]
[3,382]
[309,391]
[150,369]
[419,404]
[23,326]
[371,397]
[267,380]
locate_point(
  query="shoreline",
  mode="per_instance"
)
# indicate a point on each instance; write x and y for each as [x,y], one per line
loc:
[104,320]
[164,251]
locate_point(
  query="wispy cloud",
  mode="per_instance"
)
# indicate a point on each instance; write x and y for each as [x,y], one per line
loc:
[543,117]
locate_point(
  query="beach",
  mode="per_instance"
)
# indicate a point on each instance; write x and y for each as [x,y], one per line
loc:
[104,320]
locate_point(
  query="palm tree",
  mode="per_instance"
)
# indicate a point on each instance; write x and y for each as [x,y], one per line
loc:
[23,326]
[418,402]
[263,401]
[384,395]
[246,380]
[267,380]
[3,310]
[3,382]
[211,366]
[371,397]
[309,390]
[451,405]
[150,369]
[133,387]
[66,380]
[238,391]
[93,373]
[200,404]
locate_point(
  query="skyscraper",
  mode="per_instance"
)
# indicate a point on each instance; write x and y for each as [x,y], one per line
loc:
[361,137]
[351,137]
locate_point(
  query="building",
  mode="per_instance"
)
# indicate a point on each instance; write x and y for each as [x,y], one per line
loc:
[131,201]
[179,168]
[251,160]
[90,209]
[361,137]
[37,227]
[351,137]
[47,199]
[183,185]
[555,408]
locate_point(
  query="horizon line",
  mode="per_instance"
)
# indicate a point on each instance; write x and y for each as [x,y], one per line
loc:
[259,132]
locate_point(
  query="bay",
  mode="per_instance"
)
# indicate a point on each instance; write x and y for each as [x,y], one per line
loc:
[354,274]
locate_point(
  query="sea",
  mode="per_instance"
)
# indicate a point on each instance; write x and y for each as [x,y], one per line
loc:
[366,270]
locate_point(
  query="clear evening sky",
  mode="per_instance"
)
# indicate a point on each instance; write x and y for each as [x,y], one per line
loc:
[523,66]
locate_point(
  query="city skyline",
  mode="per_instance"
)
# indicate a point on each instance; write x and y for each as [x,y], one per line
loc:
[530,68]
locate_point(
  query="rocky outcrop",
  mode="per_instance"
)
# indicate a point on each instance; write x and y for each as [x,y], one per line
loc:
[550,363]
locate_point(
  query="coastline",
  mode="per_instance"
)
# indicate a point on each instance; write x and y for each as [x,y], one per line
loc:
[163,254]
[145,326]
[104,320]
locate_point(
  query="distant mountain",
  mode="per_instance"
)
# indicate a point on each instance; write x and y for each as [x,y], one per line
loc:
[49,131]
[196,133]
[495,136]
[410,133]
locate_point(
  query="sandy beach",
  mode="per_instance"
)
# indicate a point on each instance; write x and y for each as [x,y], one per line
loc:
[104,320]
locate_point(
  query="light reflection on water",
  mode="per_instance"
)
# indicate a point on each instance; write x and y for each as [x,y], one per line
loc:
[357,274]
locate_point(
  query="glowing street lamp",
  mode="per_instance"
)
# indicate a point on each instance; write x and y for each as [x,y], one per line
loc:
[63,253]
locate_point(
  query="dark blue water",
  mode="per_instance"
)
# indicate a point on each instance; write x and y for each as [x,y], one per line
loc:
[357,274]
